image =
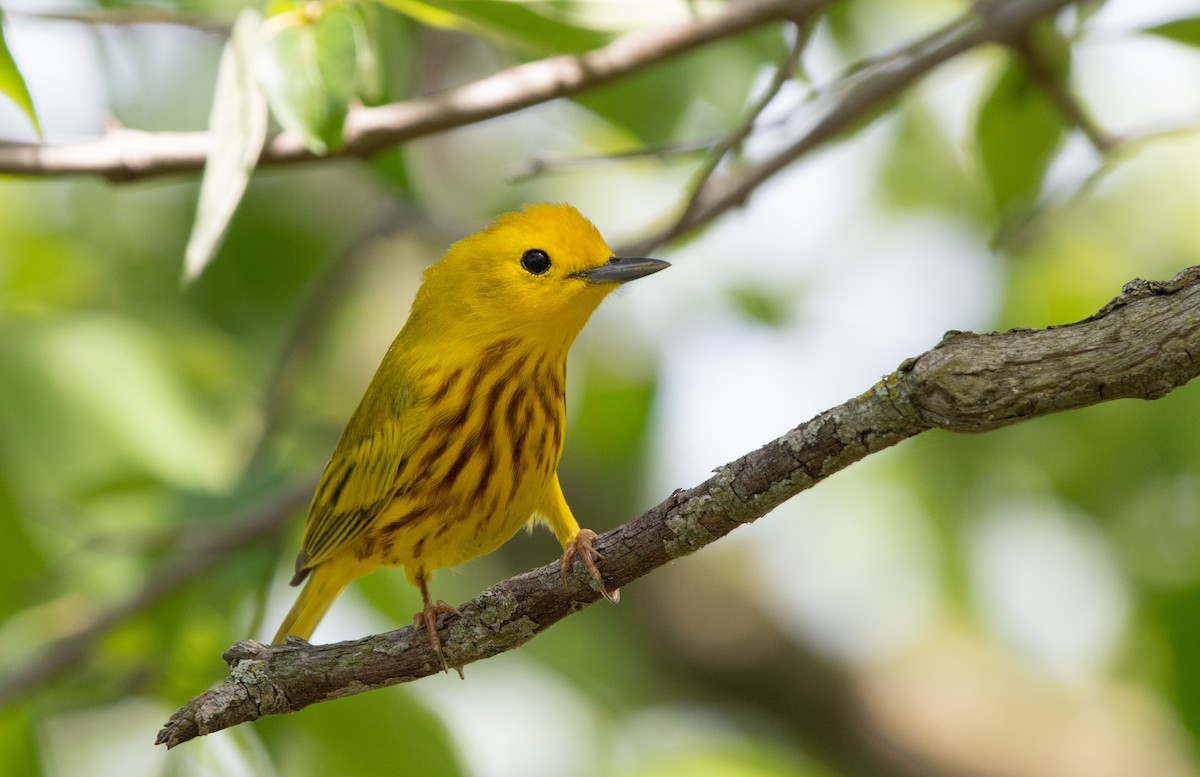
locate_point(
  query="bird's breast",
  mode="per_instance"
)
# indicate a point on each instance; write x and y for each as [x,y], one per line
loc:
[491,444]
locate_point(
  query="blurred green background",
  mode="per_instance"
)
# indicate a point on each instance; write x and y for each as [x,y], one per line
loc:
[1025,602]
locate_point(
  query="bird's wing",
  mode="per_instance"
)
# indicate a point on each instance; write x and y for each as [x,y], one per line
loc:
[362,476]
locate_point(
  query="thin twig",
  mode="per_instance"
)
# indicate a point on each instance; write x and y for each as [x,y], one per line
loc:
[661,151]
[1059,92]
[540,165]
[126,17]
[783,73]
[1124,147]
[867,93]
[1143,344]
[934,39]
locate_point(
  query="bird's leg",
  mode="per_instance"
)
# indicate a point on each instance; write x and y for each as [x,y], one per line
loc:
[581,545]
[427,619]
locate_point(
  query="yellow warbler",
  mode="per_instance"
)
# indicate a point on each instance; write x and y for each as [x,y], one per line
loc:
[455,444]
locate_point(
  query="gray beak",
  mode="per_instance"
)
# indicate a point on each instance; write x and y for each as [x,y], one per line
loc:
[621,269]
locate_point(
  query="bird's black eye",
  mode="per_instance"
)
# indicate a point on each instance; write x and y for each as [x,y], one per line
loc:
[536,261]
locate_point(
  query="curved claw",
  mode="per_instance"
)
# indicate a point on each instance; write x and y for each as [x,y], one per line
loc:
[581,546]
[426,618]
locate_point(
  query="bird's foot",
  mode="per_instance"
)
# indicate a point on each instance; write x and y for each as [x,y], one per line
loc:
[581,546]
[427,619]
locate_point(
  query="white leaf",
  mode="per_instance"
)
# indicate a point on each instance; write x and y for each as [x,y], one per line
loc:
[238,129]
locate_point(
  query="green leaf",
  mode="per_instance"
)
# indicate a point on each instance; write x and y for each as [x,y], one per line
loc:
[19,741]
[365,21]
[764,305]
[529,26]
[1018,133]
[13,85]
[391,165]
[238,127]
[667,87]
[1181,616]
[709,87]
[309,70]
[1181,30]
[23,562]
[921,170]
[348,736]
[608,442]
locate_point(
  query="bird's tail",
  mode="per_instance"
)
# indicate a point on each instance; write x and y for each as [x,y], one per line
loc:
[324,584]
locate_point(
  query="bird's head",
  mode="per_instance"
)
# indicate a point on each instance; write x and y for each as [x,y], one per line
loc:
[537,273]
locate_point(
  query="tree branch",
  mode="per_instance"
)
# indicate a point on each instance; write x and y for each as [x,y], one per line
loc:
[859,94]
[125,155]
[127,17]
[1055,85]
[783,74]
[1143,344]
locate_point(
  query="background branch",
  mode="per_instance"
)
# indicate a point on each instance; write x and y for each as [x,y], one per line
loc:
[1143,344]
[783,74]
[857,96]
[126,17]
[1055,85]
[124,154]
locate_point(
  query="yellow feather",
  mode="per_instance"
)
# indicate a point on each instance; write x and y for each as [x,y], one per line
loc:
[456,442]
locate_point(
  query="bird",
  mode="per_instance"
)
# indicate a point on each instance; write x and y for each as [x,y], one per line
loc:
[456,442]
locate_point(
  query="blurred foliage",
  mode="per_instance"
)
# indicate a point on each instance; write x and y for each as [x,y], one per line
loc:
[1019,132]
[139,418]
[309,68]
[1182,30]
[12,84]
[533,28]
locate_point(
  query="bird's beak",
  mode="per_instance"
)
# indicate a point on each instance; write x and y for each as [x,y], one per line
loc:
[621,269]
